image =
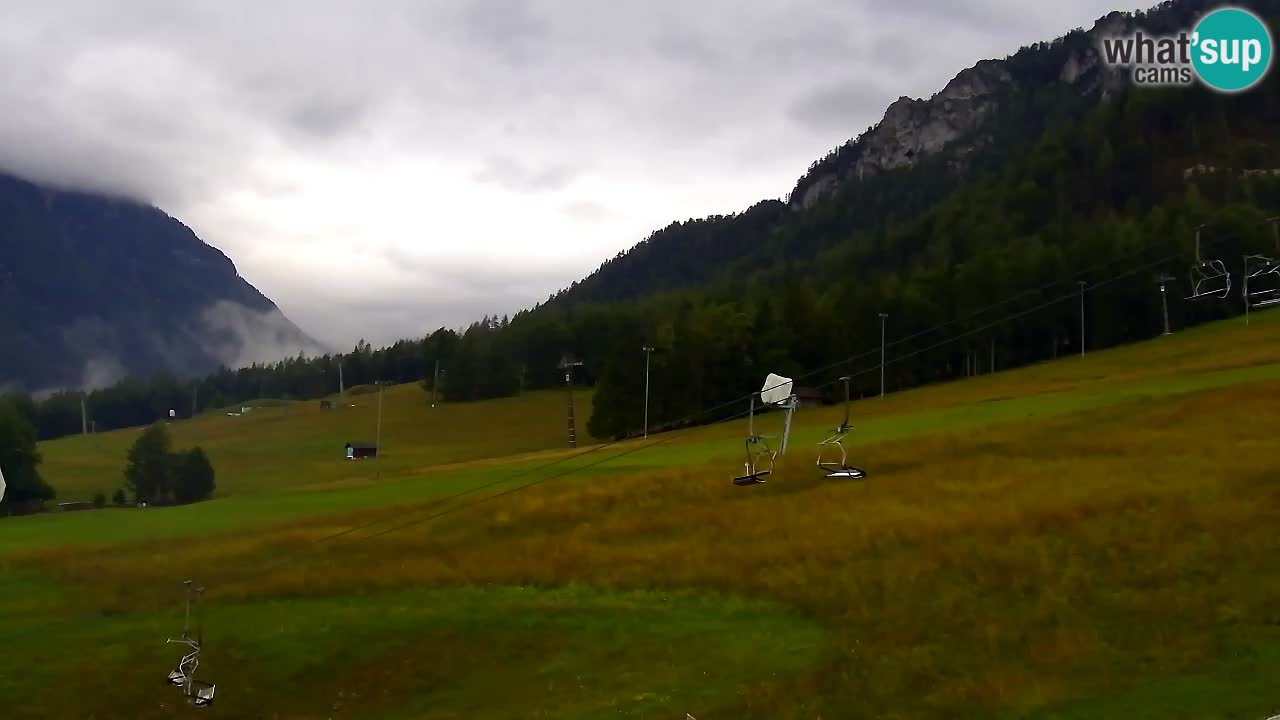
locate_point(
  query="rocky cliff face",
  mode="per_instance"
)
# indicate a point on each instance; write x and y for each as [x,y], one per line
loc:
[962,118]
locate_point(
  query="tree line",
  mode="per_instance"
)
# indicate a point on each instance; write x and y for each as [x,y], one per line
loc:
[154,473]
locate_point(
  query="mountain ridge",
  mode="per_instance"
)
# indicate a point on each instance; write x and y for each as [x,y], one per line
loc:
[100,287]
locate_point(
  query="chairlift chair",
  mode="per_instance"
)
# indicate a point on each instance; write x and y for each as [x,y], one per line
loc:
[197,692]
[777,391]
[758,451]
[1261,281]
[842,469]
[1209,278]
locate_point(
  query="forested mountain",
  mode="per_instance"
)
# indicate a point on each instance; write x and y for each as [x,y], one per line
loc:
[93,289]
[968,218]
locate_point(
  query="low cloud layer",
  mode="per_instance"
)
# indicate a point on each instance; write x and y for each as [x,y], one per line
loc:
[386,169]
[225,333]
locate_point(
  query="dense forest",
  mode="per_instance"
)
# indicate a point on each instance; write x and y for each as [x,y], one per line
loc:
[974,263]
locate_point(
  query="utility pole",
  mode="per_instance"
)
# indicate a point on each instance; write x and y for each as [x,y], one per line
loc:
[341,388]
[195,398]
[647,351]
[882,319]
[568,364]
[84,416]
[377,443]
[1164,300]
[435,383]
[1082,284]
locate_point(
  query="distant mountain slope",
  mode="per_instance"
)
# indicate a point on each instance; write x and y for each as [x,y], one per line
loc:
[921,150]
[94,288]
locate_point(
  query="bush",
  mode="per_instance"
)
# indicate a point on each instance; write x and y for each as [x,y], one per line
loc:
[119,497]
[99,500]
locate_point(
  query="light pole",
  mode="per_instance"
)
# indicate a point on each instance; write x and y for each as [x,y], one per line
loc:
[1164,300]
[882,319]
[377,443]
[1082,284]
[435,383]
[647,351]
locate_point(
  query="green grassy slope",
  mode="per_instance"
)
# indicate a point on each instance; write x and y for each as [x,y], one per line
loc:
[290,445]
[1086,538]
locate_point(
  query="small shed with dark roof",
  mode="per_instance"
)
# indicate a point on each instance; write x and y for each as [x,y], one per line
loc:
[358,450]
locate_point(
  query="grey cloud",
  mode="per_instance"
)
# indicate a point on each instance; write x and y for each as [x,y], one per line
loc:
[838,106]
[679,43]
[517,176]
[929,16]
[101,371]
[510,29]
[329,116]
[240,336]
[587,210]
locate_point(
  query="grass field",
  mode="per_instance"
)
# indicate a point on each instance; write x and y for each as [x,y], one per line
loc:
[1087,538]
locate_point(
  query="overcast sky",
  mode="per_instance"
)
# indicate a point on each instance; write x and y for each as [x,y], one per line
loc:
[381,169]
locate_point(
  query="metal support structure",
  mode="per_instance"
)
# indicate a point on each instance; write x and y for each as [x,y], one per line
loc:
[831,468]
[786,424]
[1244,290]
[1262,266]
[1082,285]
[435,382]
[567,364]
[648,350]
[1164,299]
[883,316]
[377,443]
[1208,272]
[197,693]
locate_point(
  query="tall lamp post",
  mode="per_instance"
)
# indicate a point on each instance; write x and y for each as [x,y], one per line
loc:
[377,443]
